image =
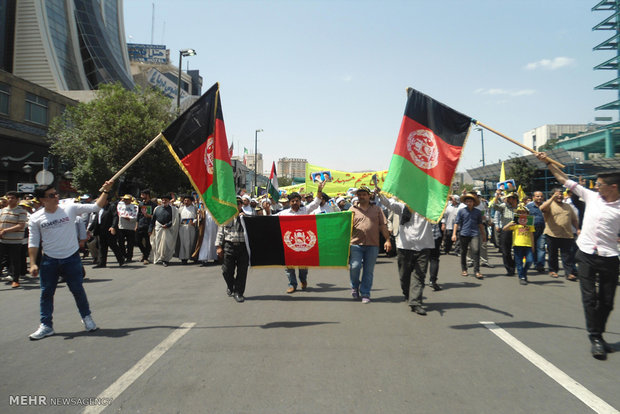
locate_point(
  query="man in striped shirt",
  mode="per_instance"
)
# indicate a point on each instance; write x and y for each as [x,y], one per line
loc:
[13,219]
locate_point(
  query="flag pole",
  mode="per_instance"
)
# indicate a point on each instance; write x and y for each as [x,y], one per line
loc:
[135,158]
[515,142]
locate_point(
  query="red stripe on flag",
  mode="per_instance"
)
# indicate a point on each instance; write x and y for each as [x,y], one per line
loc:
[221,144]
[300,240]
[420,146]
[194,163]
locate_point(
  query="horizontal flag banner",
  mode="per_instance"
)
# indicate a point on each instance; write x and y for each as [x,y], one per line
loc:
[339,182]
[303,240]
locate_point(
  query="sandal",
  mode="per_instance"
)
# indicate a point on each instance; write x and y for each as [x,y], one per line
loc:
[572,278]
[464,273]
[553,274]
[479,276]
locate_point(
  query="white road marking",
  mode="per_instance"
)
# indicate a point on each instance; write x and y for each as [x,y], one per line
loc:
[575,388]
[121,384]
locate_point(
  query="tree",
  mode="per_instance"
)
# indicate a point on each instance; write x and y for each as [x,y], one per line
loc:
[97,138]
[549,145]
[284,181]
[521,171]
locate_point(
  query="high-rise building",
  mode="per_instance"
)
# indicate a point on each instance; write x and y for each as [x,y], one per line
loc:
[292,167]
[65,45]
[259,161]
[537,137]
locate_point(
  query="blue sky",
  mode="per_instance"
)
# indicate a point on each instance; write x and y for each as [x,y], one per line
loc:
[326,79]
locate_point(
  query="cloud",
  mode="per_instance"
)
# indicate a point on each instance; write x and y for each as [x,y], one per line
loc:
[550,64]
[504,92]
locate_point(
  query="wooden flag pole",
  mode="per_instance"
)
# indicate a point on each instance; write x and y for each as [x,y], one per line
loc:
[516,143]
[136,157]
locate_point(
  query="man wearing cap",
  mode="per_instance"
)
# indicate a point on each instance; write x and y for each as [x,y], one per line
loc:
[232,251]
[341,203]
[324,206]
[368,222]
[165,224]
[53,230]
[297,209]
[127,221]
[13,220]
[559,217]
[248,210]
[471,231]
[597,257]
[506,211]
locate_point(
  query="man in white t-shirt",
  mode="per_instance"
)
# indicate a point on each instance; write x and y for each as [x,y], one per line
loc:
[53,229]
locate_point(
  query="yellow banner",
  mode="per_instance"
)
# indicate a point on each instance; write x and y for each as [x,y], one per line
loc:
[340,182]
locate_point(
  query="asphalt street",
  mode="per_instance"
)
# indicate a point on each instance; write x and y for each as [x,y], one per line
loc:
[172,341]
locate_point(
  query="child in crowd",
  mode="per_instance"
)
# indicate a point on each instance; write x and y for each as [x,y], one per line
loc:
[522,242]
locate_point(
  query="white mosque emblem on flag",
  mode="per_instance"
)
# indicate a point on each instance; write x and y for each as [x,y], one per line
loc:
[423,149]
[300,240]
[209,150]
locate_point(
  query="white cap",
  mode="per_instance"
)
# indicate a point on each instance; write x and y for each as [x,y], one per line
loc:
[245,197]
[339,199]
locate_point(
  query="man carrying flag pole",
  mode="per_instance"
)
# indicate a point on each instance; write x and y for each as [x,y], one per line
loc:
[272,187]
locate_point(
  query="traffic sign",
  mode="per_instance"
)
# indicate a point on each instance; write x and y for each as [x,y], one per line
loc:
[44,177]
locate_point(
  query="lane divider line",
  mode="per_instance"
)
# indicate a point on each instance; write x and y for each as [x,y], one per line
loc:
[129,377]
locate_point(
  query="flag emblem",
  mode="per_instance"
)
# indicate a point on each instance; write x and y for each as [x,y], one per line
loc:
[209,150]
[423,149]
[299,240]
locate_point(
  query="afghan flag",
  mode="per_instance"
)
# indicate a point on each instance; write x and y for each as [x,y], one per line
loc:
[305,240]
[428,149]
[272,187]
[197,140]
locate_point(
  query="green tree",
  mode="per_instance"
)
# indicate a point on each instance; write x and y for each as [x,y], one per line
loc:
[97,138]
[284,181]
[549,145]
[518,169]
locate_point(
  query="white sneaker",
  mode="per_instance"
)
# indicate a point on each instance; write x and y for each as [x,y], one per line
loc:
[42,332]
[89,324]
[8,278]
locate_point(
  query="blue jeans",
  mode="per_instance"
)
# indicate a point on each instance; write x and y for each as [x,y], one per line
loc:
[366,257]
[540,251]
[520,253]
[292,279]
[49,271]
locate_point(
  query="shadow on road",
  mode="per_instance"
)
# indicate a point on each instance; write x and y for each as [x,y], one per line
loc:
[442,307]
[517,325]
[270,325]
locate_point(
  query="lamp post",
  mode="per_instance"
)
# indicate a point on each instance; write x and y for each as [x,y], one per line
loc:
[256,158]
[182,52]
[484,181]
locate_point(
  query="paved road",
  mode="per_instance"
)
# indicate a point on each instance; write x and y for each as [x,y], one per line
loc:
[309,352]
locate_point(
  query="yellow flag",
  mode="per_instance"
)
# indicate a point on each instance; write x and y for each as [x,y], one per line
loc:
[521,193]
[502,174]
[591,184]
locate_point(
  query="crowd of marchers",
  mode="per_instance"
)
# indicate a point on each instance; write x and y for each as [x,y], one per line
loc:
[580,226]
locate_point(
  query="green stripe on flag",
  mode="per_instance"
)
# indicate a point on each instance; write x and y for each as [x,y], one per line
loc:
[220,197]
[334,236]
[423,193]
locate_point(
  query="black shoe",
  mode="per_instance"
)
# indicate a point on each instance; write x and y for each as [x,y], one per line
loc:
[598,349]
[608,348]
[165,264]
[239,298]
[435,286]
[98,266]
[522,281]
[418,309]
[540,269]
[184,261]
[229,292]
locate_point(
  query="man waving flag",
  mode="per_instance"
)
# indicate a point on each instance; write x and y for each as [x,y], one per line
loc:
[197,140]
[428,149]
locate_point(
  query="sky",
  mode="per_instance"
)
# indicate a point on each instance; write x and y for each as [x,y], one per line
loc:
[325,79]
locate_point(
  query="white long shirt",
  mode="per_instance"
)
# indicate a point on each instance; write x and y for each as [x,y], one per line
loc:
[307,209]
[417,234]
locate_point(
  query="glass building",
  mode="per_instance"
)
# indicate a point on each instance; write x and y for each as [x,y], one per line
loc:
[65,45]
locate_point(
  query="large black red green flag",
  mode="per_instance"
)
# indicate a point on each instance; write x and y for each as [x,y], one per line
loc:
[303,240]
[197,140]
[428,149]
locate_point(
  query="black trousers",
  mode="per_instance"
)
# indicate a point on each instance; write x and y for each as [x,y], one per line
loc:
[412,266]
[434,260]
[566,250]
[126,241]
[108,240]
[143,241]
[235,256]
[505,244]
[13,254]
[597,302]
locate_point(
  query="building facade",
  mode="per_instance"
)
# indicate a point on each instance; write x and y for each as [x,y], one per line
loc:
[251,159]
[292,167]
[537,137]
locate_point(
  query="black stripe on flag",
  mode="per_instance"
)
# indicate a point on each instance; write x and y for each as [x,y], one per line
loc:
[264,238]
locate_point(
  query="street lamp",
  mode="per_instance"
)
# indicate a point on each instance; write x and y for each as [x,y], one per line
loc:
[481,140]
[256,158]
[182,52]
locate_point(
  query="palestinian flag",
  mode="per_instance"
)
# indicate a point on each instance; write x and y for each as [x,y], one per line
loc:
[427,152]
[197,140]
[272,187]
[305,240]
